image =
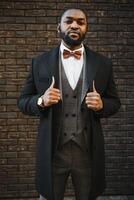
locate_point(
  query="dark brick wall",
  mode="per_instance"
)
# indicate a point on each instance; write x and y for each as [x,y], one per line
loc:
[27,28]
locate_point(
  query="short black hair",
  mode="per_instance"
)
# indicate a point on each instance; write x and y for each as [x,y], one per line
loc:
[73,8]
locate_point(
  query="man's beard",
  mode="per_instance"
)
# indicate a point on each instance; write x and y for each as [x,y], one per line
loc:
[70,41]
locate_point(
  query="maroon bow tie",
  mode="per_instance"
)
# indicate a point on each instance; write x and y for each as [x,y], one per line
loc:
[67,54]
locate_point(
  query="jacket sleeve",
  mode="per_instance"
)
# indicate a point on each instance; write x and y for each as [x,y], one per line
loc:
[110,98]
[27,101]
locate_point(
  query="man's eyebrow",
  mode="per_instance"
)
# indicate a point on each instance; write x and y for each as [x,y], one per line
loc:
[81,19]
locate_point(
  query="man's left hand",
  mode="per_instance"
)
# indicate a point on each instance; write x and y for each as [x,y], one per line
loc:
[93,100]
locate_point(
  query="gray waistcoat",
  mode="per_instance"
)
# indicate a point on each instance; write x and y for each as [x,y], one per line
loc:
[74,124]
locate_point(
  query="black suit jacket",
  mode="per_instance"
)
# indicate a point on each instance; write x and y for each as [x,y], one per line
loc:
[98,68]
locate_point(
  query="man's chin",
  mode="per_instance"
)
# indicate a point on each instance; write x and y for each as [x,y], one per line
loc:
[72,41]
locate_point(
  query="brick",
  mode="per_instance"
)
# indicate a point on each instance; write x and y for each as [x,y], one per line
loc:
[17,121]
[65,5]
[7,19]
[14,27]
[2,41]
[25,48]
[35,12]
[45,34]
[2,55]
[7,34]
[16,54]
[24,5]
[117,28]
[16,68]
[9,154]
[7,61]
[46,5]
[26,154]
[45,20]
[1,12]
[35,27]
[3,161]
[25,20]
[4,4]
[51,27]
[108,20]
[8,48]
[52,13]
[13,12]
[18,187]
[25,34]
[41,40]
[15,41]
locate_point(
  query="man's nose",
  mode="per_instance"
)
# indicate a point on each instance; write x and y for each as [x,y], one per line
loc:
[74,25]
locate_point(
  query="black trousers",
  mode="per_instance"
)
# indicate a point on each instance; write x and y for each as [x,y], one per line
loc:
[70,159]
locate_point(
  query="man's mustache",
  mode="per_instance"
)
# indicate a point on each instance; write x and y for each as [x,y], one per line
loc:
[73,31]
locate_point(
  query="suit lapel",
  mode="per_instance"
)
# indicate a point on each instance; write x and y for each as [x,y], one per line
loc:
[89,73]
[53,65]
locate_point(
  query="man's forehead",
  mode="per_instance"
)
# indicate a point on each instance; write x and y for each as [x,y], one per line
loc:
[74,13]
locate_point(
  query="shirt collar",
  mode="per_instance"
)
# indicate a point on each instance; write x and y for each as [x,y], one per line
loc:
[62,47]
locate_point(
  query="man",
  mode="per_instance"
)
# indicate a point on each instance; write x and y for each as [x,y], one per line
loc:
[70,88]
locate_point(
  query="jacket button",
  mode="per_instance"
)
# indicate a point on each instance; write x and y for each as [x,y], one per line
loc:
[66,115]
[73,134]
[82,109]
[74,115]
[74,96]
[65,134]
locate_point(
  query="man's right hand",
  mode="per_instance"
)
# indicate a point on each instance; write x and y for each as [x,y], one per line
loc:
[51,96]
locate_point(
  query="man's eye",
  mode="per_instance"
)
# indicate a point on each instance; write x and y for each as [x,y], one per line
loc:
[69,21]
[80,23]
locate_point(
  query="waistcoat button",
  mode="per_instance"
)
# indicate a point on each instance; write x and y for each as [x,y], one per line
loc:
[73,134]
[74,115]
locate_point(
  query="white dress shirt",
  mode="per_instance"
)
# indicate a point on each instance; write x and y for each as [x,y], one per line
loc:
[72,66]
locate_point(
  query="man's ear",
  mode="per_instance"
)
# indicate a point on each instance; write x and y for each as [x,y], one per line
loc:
[58,28]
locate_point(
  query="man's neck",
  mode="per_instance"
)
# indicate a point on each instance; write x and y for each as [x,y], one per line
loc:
[72,48]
